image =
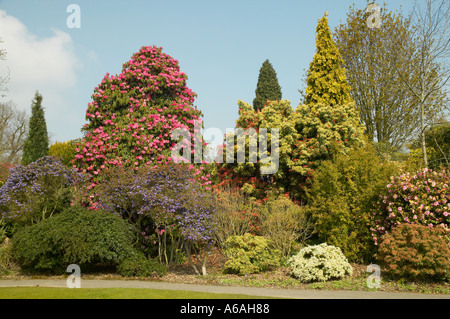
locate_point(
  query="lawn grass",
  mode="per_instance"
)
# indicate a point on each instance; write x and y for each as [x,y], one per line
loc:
[111,293]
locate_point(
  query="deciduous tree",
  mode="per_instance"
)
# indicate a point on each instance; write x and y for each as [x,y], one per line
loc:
[375,60]
[430,60]
[13,131]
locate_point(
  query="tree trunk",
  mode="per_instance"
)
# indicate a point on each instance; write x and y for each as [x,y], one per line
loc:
[422,124]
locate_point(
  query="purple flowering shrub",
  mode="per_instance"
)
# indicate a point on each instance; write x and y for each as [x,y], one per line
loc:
[169,207]
[422,199]
[37,191]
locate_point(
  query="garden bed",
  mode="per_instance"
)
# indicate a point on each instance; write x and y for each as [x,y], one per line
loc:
[276,279]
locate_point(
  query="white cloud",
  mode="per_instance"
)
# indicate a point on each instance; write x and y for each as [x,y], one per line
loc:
[44,64]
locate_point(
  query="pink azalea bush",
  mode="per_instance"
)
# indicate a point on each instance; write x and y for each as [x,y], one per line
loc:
[422,199]
[132,115]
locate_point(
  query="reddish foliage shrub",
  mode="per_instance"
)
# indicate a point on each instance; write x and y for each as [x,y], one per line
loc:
[4,172]
[415,252]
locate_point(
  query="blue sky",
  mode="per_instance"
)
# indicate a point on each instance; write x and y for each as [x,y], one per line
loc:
[219,45]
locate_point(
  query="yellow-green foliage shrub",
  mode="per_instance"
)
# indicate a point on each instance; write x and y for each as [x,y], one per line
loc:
[64,150]
[249,254]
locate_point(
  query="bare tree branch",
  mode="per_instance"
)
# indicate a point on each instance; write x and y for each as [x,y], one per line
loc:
[13,131]
[430,60]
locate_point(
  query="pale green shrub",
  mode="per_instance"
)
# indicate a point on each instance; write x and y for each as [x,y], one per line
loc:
[319,263]
[249,254]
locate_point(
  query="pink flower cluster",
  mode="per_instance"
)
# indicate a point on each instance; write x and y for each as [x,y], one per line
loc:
[423,198]
[132,115]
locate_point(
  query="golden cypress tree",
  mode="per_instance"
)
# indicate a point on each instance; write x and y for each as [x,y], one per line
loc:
[326,79]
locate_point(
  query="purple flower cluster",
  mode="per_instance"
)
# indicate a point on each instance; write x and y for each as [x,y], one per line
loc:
[168,194]
[43,185]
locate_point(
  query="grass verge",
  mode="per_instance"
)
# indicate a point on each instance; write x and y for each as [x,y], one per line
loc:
[111,293]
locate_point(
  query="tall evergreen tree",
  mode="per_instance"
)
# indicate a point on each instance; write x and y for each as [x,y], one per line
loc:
[326,80]
[268,88]
[37,144]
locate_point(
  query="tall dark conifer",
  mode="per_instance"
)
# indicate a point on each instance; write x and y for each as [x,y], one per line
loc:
[36,145]
[267,88]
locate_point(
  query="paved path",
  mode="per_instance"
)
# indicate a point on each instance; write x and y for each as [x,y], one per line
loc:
[266,292]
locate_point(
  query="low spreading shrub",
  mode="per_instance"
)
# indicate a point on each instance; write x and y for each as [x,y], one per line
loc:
[75,236]
[249,254]
[319,263]
[137,265]
[415,252]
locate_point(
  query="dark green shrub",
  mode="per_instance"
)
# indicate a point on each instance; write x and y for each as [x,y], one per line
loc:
[7,264]
[137,265]
[341,200]
[249,254]
[2,230]
[415,252]
[75,236]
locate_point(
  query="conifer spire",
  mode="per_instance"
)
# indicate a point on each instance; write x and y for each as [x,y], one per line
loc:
[326,80]
[268,88]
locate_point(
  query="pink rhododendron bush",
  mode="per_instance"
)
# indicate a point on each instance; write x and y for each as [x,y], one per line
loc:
[132,116]
[422,199]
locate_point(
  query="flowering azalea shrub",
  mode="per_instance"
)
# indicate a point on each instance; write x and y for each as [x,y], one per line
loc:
[37,191]
[422,198]
[319,263]
[132,117]
[169,207]
[415,252]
